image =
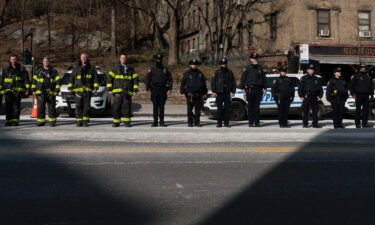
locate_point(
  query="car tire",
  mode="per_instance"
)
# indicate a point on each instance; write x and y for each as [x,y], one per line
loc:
[238,111]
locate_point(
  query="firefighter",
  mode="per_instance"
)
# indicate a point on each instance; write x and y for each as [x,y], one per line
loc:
[362,89]
[253,82]
[194,88]
[310,91]
[283,93]
[337,94]
[223,85]
[122,83]
[159,82]
[14,84]
[83,83]
[46,86]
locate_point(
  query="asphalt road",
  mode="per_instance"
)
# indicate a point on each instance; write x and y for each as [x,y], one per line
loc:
[179,175]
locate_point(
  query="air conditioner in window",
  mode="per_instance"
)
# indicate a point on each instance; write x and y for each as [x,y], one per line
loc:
[365,34]
[324,33]
[192,50]
[239,2]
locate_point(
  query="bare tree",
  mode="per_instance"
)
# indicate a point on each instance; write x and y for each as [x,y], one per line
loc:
[22,25]
[2,12]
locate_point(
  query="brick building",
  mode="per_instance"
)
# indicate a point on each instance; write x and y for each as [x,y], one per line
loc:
[339,32]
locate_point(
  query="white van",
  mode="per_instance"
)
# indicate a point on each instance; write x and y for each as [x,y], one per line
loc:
[268,105]
[100,103]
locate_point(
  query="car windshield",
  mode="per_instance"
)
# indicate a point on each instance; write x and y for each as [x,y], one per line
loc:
[65,79]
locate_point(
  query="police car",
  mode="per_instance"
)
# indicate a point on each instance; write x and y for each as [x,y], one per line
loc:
[100,103]
[268,104]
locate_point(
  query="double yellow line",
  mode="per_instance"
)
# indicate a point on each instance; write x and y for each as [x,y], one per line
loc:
[142,150]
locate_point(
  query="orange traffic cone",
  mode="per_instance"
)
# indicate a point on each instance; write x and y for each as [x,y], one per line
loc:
[34,113]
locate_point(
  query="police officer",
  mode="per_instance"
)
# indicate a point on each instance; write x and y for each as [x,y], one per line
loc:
[362,89]
[253,82]
[223,85]
[159,82]
[83,82]
[14,84]
[337,94]
[123,83]
[193,87]
[283,94]
[310,91]
[46,86]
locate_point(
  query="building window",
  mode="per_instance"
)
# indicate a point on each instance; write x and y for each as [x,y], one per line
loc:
[194,19]
[188,46]
[364,18]
[193,44]
[207,10]
[207,41]
[250,31]
[324,23]
[273,26]
[239,36]
[189,24]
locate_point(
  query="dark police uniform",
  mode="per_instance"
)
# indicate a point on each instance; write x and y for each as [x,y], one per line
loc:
[82,82]
[45,84]
[193,86]
[159,82]
[361,87]
[337,94]
[283,92]
[310,88]
[223,84]
[14,82]
[123,81]
[254,82]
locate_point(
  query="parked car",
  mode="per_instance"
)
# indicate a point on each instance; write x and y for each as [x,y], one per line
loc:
[100,103]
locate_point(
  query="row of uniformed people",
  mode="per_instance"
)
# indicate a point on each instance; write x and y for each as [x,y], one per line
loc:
[123,82]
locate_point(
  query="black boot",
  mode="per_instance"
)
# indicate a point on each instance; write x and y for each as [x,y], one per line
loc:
[52,124]
[85,124]
[79,124]
[115,125]
[127,124]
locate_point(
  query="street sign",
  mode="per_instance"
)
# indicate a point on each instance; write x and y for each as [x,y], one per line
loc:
[304,54]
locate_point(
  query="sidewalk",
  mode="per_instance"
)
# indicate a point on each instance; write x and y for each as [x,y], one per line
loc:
[138,109]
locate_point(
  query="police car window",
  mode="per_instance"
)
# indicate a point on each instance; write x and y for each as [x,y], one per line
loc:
[270,81]
[102,81]
[65,79]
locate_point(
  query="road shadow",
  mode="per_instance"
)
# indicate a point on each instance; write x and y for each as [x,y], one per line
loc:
[41,189]
[309,187]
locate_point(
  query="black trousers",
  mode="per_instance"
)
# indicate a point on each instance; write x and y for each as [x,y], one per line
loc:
[83,102]
[254,97]
[122,104]
[194,102]
[159,99]
[310,102]
[50,101]
[13,107]
[283,105]
[223,102]
[338,109]
[362,102]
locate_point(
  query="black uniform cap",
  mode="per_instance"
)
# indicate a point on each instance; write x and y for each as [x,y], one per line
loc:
[158,57]
[337,69]
[223,61]
[362,66]
[194,62]
[254,56]
[311,67]
[283,69]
